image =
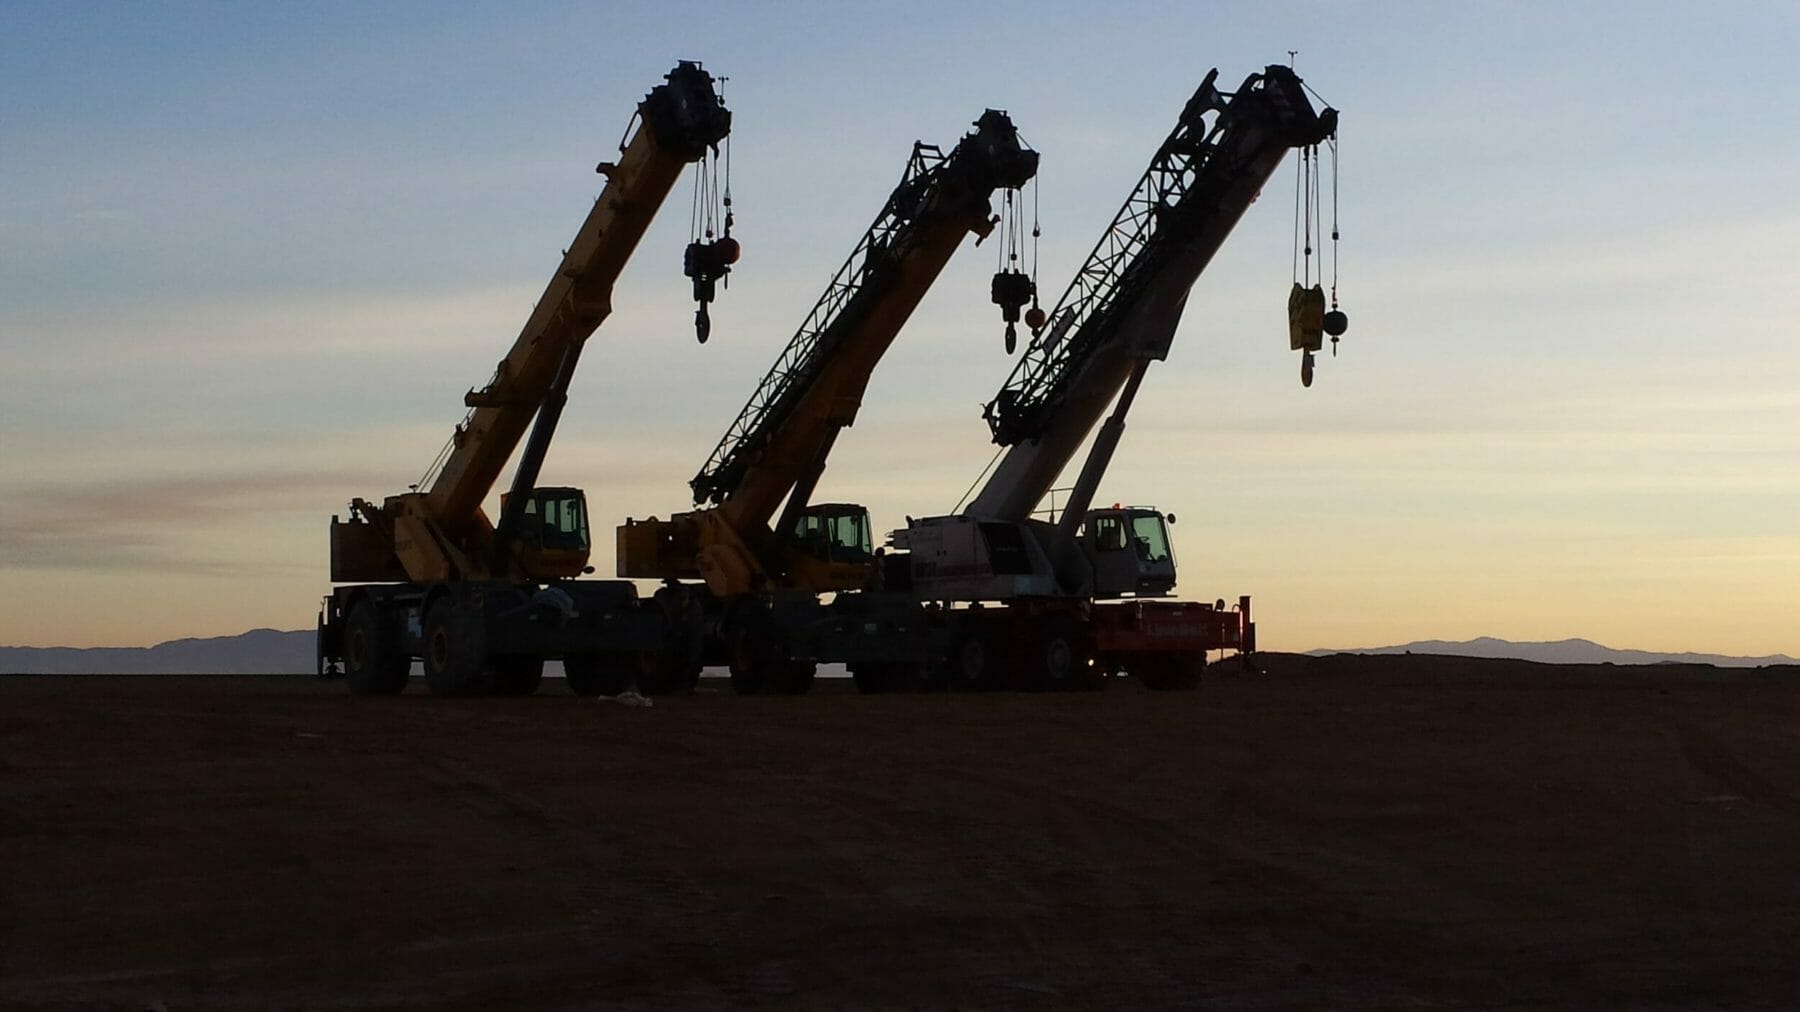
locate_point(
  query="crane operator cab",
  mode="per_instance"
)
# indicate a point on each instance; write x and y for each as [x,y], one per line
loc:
[552,540]
[1129,550]
[834,532]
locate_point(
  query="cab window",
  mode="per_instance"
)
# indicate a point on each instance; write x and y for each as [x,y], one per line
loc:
[1107,532]
[1149,538]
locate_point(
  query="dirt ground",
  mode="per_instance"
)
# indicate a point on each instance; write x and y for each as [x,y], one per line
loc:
[1339,832]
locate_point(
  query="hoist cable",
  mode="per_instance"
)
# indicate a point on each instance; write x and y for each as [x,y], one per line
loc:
[1036,229]
[1307,186]
[1015,199]
[1299,172]
[1331,142]
[728,166]
[1318,214]
[694,210]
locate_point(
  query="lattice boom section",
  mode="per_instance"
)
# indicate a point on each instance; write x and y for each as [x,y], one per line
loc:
[805,353]
[1191,169]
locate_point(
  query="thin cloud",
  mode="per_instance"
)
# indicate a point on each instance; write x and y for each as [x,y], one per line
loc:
[166,523]
[104,216]
[267,329]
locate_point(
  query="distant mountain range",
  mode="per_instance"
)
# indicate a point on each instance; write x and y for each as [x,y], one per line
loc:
[1575,651]
[257,652]
[273,652]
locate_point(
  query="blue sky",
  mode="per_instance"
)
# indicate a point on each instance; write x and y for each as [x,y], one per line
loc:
[251,255]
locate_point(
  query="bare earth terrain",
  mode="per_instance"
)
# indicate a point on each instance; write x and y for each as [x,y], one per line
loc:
[1345,832]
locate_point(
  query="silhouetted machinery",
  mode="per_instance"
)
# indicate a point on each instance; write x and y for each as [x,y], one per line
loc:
[425,574]
[1058,602]
[766,553]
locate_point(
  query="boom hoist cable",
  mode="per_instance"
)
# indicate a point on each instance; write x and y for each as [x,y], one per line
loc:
[710,250]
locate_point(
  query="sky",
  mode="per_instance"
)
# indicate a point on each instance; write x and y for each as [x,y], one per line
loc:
[252,254]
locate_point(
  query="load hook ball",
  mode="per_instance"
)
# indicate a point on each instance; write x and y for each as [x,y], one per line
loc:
[728,250]
[1336,323]
[1035,318]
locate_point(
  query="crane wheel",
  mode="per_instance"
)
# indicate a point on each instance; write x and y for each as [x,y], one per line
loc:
[517,674]
[456,649]
[673,669]
[1064,658]
[753,659]
[756,652]
[974,663]
[373,662]
[598,674]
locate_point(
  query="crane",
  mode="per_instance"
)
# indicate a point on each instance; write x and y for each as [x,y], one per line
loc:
[426,573]
[1117,317]
[772,455]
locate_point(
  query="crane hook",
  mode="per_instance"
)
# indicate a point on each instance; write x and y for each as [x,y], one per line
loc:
[1011,291]
[706,262]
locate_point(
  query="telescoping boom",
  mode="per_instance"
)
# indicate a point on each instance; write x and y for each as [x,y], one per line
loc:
[426,574]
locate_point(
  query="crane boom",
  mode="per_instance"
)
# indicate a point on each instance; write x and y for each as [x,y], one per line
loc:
[816,385]
[426,575]
[681,120]
[1122,308]
[775,450]
[442,532]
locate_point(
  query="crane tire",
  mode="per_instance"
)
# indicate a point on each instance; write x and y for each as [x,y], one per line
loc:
[456,662]
[1061,653]
[974,663]
[373,662]
[757,654]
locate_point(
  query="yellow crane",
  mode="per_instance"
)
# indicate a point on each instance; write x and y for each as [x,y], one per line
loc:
[426,574]
[763,570]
